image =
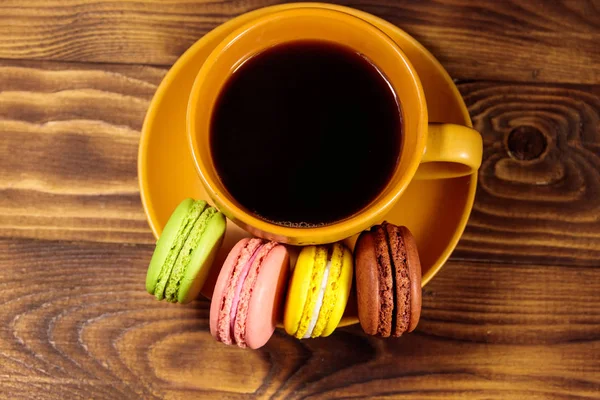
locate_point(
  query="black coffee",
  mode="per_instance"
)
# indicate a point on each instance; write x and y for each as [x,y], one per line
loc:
[306,134]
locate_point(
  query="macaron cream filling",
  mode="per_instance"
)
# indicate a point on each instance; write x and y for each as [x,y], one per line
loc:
[180,239]
[226,308]
[319,303]
[402,281]
[235,300]
[332,293]
[240,283]
[323,293]
[320,261]
[248,288]
[185,254]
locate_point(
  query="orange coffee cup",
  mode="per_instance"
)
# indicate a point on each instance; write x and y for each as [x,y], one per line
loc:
[429,151]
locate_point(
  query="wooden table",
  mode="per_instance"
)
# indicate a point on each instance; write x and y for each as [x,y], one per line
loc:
[515,313]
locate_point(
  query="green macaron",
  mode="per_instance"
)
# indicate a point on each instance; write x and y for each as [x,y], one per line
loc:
[185,251]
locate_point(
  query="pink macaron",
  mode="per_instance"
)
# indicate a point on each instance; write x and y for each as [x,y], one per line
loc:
[248,295]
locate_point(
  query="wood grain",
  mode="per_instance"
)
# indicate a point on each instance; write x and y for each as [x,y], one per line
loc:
[538,198]
[76,323]
[515,313]
[539,188]
[547,41]
[68,149]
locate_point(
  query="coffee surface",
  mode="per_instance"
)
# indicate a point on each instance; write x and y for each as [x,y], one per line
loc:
[306,134]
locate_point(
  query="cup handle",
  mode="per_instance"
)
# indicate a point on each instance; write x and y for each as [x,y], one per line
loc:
[452,151]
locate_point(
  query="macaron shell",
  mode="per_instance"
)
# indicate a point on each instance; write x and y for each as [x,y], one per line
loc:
[401,276]
[189,245]
[316,280]
[222,283]
[298,290]
[202,259]
[265,305]
[178,255]
[367,283]
[414,270]
[343,286]
[246,283]
[328,293]
[163,245]
[387,282]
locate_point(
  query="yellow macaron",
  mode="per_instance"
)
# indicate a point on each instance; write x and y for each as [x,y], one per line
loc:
[319,291]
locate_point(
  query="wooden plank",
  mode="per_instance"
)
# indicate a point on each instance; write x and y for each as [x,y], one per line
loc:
[75,322]
[548,41]
[68,150]
[538,198]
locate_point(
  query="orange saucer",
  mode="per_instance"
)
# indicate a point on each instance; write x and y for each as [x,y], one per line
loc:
[436,211]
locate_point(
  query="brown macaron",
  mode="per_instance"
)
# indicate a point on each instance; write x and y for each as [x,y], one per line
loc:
[388,280]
